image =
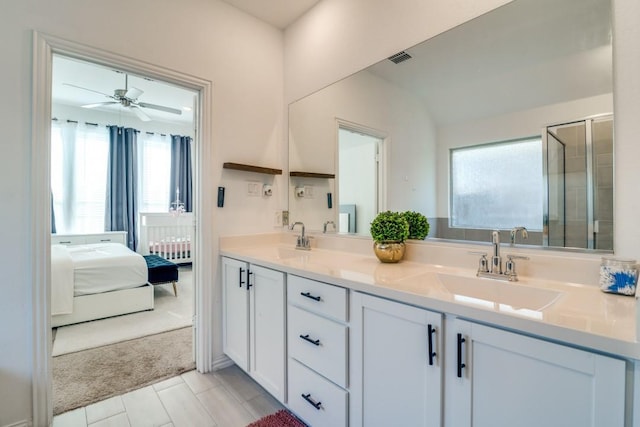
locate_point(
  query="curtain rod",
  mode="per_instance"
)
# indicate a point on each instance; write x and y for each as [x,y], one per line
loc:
[55,119]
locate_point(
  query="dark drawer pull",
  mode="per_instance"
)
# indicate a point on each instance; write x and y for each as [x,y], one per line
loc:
[240,277]
[306,338]
[105,240]
[430,331]
[65,242]
[249,284]
[308,398]
[460,364]
[308,295]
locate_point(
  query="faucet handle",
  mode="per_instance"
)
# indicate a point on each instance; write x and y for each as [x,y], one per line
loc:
[510,266]
[483,264]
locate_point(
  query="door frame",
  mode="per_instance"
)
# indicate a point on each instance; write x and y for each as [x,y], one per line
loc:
[382,160]
[44,46]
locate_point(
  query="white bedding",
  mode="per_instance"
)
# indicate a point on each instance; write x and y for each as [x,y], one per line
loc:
[91,269]
[61,280]
[103,267]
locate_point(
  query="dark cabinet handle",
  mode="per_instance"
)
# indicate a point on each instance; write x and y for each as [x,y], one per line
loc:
[308,398]
[460,364]
[249,273]
[306,338]
[430,331]
[240,278]
[308,295]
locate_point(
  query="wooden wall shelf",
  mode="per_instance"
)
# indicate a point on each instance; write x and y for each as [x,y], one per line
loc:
[312,175]
[251,168]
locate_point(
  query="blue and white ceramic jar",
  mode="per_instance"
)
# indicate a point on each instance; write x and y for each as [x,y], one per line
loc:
[618,276]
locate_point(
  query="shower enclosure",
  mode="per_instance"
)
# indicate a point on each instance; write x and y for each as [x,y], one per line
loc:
[578,174]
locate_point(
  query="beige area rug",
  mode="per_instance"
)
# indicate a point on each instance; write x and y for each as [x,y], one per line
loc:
[170,312]
[89,376]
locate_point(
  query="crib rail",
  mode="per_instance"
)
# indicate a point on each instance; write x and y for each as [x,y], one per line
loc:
[166,236]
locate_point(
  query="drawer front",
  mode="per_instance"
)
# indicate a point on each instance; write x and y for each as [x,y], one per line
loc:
[314,399]
[322,298]
[319,343]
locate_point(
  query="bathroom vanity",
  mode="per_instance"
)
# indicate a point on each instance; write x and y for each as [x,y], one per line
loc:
[341,339]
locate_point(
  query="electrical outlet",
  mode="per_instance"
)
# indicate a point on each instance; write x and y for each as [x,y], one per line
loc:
[277,219]
[285,218]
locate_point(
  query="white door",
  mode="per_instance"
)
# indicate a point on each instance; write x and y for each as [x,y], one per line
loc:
[235,311]
[268,327]
[397,364]
[503,379]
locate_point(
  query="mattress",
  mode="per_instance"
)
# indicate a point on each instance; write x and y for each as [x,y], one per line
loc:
[104,267]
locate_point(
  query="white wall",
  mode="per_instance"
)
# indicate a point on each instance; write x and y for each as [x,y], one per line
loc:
[340,37]
[368,101]
[242,56]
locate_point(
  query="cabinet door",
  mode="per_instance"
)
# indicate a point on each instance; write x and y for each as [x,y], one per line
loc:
[396,364]
[235,312]
[267,326]
[507,379]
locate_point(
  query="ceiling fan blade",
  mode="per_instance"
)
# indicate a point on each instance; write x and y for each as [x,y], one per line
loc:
[99,104]
[133,93]
[90,90]
[160,108]
[141,114]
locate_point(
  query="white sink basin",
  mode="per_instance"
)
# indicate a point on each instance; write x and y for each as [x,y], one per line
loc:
[508,296]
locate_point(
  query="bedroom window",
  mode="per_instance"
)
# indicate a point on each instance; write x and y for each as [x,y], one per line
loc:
[154,159]
[79,155]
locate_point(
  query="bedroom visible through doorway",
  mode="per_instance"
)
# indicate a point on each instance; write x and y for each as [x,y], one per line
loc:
[122,197]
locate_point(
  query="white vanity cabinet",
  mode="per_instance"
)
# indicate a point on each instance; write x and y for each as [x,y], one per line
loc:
[318,355]
[497,378]
[254,322]
[397,364]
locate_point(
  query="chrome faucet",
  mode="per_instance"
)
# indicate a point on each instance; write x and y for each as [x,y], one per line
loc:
[493,269]
[303,241]
[324,227]
[514,233]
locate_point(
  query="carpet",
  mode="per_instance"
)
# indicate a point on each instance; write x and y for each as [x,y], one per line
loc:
[89,376]
[282,418]
[169,313]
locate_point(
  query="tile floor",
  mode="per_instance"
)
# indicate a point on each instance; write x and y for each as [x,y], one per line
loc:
[225,398]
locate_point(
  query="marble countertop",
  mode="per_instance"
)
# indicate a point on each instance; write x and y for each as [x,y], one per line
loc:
[577,314]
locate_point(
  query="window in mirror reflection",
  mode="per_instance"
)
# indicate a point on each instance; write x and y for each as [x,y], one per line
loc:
[498,185]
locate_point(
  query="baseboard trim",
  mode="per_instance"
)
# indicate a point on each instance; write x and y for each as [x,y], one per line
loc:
[25,423]
[220,362]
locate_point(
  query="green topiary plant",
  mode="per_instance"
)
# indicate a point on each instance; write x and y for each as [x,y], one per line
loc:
[418,225]
[389,227]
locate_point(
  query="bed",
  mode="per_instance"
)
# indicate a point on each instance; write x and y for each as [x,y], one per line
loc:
[167,236]
[96,276]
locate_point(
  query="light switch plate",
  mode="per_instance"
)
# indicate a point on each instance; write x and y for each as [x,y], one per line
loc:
[254,189]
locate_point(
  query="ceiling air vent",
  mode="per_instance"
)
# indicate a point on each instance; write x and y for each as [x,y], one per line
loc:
[399,57]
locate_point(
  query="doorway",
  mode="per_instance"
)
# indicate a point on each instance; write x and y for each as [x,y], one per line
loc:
[89,103]
[45,47]
[360,175]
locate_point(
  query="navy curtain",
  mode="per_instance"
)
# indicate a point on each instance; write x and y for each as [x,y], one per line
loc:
[181,172]
[121,207]
[53,217]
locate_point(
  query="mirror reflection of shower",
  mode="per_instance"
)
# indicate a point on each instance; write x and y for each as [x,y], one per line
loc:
[579,184]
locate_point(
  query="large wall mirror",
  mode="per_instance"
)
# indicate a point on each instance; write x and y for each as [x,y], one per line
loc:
[504,121]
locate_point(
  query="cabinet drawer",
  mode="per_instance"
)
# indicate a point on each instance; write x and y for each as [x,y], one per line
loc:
[325,403]
[318,297]
[324,346]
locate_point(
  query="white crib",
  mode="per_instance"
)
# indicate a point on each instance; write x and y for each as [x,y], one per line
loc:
[168,236]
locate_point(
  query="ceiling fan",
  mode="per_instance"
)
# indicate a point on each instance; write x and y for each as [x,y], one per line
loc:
[128,98]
